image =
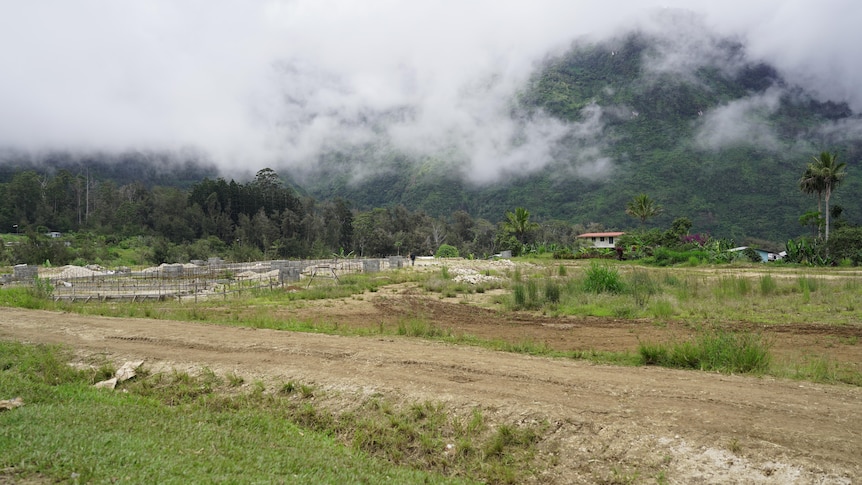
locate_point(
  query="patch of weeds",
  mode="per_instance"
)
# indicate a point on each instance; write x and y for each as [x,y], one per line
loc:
[519,296]
[306,391]
[624,311]
[602,279]
[716,350]
[416,327]
[820,369]
[234,380]
[533,292]
[287,388]
[516,274]
[807,284]
[641,286]
[552,291]
[768,285]
[733,287]
[662,309]
[620,476]
[507,437]
[734,447]
[525,296]
[653,354]
[525,347]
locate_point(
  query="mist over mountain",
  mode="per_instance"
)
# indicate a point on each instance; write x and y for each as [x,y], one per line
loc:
[566,108]
[147,168]
[690,118]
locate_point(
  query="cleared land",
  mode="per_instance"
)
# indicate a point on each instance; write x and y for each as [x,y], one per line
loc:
[605,423]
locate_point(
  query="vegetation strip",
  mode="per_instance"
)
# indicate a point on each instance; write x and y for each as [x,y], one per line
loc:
[174,427]
[707,300]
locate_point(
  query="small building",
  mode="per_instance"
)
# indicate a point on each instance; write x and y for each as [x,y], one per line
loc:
[601,239]
[765,256]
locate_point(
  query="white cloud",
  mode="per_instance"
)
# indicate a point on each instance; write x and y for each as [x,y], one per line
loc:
[267,83]
[743,121]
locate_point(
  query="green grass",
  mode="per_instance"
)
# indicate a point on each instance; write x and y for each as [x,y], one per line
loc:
[818,368]
[417,327]
[702,295]
[601,278]
[178,428]
[712,350]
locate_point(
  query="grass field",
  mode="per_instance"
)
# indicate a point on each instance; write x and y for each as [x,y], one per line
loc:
[178,428]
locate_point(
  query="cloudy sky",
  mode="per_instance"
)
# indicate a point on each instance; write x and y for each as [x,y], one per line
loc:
[255,83]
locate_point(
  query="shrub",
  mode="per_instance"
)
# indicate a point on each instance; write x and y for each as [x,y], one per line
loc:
[447,251]
[42,288]
[552,291]
[564,253]
[602,279]
[519,296]
[846,243]
[641,286]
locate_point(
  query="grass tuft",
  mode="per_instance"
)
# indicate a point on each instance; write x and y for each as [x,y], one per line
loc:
[712,350]
[602,279]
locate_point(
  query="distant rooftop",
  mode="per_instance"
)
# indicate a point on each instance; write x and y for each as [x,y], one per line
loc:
[601,234]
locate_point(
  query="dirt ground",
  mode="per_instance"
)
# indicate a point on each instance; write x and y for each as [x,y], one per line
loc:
[607,424]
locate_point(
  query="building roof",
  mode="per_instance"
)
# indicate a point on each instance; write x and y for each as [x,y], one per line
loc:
[601,234]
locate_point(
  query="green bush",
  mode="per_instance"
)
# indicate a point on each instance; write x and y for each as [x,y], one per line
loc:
[552,291]
[602,279]
[667,257]
[447,251]
[846,243]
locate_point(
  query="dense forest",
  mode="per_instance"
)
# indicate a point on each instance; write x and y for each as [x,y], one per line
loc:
[99,221]
[259,219]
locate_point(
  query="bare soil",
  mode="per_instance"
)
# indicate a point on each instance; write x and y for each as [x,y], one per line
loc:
[607,424]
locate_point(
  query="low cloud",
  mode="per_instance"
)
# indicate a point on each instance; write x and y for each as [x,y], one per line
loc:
[743,121]
[278,83]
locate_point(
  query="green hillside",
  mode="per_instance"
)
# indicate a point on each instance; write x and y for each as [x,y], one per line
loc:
[654,126]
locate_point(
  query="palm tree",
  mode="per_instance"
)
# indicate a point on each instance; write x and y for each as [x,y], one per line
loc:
[823,176]
[643,207]
[518,222]
[811,184]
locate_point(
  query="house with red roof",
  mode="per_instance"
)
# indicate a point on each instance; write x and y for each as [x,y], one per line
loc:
[600,239]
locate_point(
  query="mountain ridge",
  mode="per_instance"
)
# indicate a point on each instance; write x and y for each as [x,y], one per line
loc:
[722,142]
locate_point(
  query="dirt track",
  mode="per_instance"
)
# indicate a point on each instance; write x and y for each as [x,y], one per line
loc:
[607,423]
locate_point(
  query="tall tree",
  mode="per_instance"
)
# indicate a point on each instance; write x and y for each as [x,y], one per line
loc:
[824,175]
[811,184]
[519,224]
[643,207]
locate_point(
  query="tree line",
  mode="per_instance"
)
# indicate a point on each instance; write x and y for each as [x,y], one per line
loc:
[265,219]
[258,219]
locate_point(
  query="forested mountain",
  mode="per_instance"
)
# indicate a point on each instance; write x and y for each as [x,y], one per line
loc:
[708,133]
[714,137]
[148,168]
